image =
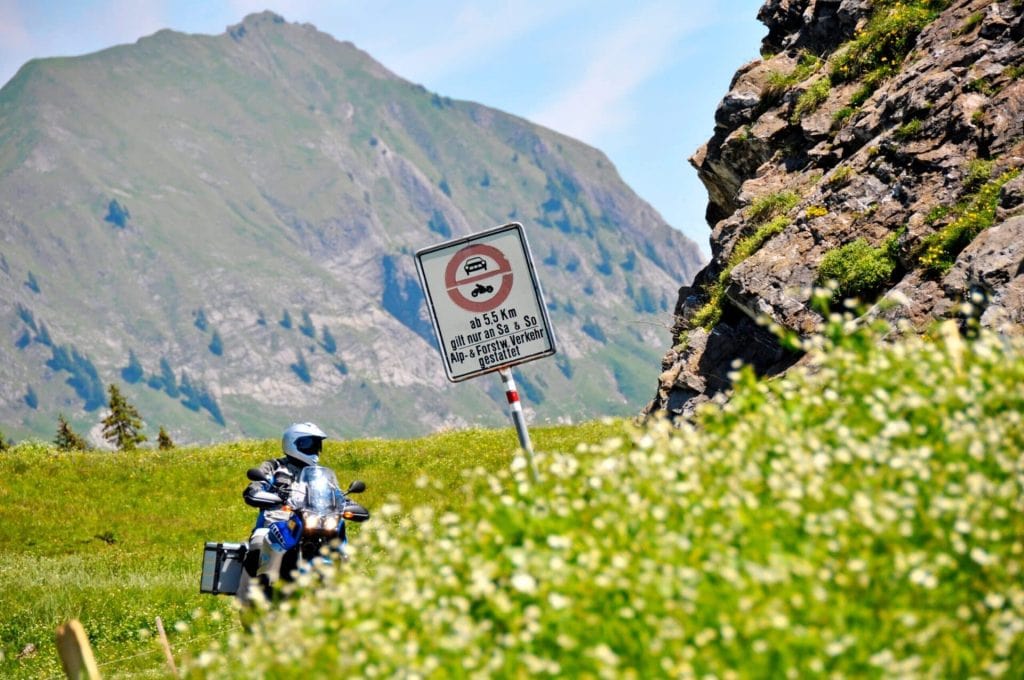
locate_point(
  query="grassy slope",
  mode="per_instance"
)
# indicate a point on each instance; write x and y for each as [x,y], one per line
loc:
[116,539]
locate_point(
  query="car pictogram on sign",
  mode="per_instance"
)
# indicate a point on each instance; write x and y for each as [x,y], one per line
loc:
[474,264]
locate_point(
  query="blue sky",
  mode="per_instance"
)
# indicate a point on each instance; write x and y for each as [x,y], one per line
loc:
[638,79]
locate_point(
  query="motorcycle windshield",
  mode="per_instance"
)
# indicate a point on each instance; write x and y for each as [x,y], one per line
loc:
[322,490]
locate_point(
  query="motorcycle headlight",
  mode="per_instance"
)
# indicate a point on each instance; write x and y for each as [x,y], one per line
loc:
[311,520]
[331,523]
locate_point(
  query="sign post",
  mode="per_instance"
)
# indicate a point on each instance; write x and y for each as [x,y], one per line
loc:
[487,308]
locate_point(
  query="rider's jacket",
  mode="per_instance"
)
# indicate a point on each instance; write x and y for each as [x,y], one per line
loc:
[281,471]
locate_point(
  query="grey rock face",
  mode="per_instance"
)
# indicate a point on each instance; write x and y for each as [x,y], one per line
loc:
[899,157]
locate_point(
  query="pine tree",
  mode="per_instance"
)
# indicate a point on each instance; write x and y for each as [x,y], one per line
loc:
[163,440]
[216,344]
[307,328]
[4,445]
[67,439]
[132,373]
[31,398]
[122,426]
[329,345]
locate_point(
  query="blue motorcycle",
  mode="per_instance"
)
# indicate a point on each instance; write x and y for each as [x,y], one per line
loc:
[302,525]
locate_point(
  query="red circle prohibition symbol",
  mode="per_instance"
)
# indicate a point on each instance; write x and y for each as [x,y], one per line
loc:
[472,264]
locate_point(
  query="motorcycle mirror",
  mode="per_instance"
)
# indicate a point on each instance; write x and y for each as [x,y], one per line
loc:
[356,487]
[255,475]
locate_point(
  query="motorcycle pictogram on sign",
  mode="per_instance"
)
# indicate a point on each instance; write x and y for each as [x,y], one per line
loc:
[478,278]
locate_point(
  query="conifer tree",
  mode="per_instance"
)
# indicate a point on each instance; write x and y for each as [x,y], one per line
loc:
[163,440]
[329,344]
[307,328]
[122,427]
[132,373]
[31,398]
[67,439]
[216,344]
[4,445]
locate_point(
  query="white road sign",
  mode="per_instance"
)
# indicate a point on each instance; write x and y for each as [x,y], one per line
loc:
[485,303]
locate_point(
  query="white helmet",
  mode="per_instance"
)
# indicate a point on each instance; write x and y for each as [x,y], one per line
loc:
[303,441]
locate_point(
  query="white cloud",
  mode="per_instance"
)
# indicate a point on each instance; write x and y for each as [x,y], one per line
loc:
[620,62]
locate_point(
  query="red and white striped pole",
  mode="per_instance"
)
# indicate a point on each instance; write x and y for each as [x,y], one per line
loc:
[518,419]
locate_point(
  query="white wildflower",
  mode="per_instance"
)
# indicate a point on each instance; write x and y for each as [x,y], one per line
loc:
[524,583]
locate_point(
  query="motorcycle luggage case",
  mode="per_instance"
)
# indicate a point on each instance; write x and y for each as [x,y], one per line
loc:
[222,567]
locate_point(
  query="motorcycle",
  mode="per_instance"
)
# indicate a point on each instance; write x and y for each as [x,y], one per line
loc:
[296,530]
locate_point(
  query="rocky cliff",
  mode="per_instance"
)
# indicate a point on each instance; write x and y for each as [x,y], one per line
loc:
[876,147]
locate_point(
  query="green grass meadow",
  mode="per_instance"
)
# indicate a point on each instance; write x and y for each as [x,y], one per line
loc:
[861,517]
[116,539]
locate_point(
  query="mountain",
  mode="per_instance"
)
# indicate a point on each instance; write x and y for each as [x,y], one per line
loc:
[878,146]
[225,226]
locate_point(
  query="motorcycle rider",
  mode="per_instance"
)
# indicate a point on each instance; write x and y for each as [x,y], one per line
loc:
[301,444]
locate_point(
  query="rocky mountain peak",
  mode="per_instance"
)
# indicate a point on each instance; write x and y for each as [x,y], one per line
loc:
[878,145]
[226,226]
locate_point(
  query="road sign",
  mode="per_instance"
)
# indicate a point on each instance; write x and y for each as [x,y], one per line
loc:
[485,302]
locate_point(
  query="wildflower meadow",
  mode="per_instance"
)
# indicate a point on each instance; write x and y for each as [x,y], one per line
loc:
[860,517]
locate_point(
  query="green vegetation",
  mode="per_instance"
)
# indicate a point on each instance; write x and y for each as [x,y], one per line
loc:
[123,425]
[199,319]
[841,176]
[875,53]
[972,216]
[778,82]
[877,49]
[811,98]
[769,214]
[708,315]
[306,327]
[117,214]
[328,342]
[982,85]
[133,372]
[67,439]
[858,269]
[163,440]
[858,518]
[970,23]
[977,173]
[842,115]
[116,539]
[216,345]
[84,378]
[909,129]
[772,205]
